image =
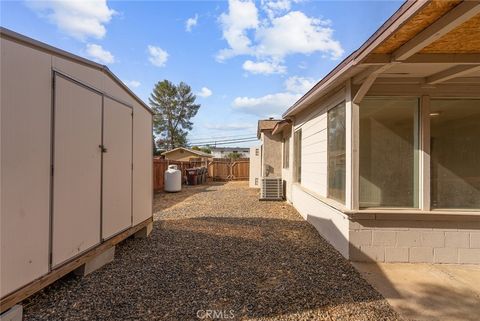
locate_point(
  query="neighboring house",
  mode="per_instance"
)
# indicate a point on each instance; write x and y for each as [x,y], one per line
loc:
[186,154]
[270,149]
[222,152]
[255,167]
[383,156]
[266,165]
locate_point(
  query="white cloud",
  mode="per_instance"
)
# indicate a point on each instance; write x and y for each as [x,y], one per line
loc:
[80,19]
[205,92]
[296,33]
[273,105]
[99,54]
[191,22]
[299,85]
[133,83]
[264,67]
[241,16]
[273,8]
[158,56]
[272,39]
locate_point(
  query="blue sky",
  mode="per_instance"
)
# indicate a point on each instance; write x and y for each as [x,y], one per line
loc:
[244,60]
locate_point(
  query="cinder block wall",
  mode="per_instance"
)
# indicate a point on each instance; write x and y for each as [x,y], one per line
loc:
[415,241]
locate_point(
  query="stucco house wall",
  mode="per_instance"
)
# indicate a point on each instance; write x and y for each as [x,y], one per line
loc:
[272,154]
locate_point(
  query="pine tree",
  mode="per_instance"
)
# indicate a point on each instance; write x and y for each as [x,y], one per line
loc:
[174,106]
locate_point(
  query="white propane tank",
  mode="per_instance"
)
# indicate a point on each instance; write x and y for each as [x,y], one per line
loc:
[173,179]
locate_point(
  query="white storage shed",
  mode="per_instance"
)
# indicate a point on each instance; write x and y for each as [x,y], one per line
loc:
[76,163]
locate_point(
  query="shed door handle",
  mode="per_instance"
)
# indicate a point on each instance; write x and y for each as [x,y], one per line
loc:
[102,148]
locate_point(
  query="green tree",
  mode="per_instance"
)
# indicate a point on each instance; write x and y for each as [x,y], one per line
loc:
[234,155]
[203,149]
[174,106]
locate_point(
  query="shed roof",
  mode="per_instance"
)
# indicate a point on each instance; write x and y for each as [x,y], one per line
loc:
[415,30]
[9,34]
[196,152]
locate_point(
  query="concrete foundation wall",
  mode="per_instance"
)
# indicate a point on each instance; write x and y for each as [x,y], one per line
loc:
[332,224]
[415,241]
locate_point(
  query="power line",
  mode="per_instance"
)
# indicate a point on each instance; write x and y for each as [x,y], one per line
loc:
[214,143]
[221,140]
[219,137]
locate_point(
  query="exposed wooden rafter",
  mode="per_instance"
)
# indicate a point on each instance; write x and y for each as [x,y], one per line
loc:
[451,73]
[454,18]
[435,58]
[374,72]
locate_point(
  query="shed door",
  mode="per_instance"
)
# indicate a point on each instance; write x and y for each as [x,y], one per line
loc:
[117,168]
[77,170]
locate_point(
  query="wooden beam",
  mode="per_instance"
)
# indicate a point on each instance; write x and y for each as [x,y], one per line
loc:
[55,274]
[451,73]
[351,149]
[454,18]
[427,58]
[400,80]
[424,153]
[368,82]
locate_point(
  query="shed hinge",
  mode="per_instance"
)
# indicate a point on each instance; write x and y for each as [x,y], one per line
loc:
[51,170]
[132,166]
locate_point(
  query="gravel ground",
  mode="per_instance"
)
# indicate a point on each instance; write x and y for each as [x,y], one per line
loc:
[216,251]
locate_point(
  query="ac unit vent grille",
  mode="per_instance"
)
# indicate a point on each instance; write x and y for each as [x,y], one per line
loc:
[271,189]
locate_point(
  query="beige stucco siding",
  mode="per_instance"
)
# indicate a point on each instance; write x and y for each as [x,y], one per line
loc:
[25,164]
[272,155]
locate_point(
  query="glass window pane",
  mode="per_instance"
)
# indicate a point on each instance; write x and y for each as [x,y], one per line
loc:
[336,153]
[298,155]
[455,153]
[389,152]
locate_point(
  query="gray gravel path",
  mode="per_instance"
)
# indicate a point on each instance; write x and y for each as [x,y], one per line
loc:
[217,251]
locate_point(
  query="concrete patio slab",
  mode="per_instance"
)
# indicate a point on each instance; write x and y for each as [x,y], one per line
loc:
[427,291]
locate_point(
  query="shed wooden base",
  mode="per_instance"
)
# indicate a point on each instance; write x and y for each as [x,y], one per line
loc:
[35,286]
[13,314]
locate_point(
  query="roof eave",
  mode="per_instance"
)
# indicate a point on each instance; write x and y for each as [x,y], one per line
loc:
[407,10]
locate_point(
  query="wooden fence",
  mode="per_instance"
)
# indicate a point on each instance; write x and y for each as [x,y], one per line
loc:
[219,169]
